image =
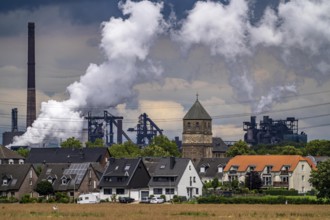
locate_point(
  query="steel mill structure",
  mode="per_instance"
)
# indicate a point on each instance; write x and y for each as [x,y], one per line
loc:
[272,131]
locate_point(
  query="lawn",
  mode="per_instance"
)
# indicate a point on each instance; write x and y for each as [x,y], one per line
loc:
[163,211]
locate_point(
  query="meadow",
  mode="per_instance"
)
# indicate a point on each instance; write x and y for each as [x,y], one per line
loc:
[163,211]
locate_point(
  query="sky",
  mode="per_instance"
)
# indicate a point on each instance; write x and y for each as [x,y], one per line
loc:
[242,58]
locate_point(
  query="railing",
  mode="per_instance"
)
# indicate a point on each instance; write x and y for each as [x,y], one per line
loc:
[284,172]
[280,184]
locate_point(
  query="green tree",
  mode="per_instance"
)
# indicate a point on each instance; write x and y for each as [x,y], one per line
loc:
[97,143]
[154,151]
[318,148]
[253,180]
[320,179]
[215,183]
[71,143]
[290,150]
[168,146]
[24,152]
[44,188]
[239,148]
[125,150]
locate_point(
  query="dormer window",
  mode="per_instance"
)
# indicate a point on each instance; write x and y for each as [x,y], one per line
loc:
[21,161]
[50,179]
[269,169]
[5,182]
[251,168]
[162,166]
[220,169]
[202,170]
[116,168]
[10,161]
[65,180]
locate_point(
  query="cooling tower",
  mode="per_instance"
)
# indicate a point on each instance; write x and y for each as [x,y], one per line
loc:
[31,91]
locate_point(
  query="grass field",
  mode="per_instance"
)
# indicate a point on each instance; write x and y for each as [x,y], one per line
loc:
[163,211]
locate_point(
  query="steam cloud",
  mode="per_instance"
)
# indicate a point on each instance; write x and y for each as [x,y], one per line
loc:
[126,45]
[299,30]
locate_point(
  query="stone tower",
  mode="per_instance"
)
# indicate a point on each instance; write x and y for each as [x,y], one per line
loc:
[197,133]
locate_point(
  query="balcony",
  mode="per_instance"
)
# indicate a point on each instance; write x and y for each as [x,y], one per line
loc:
[284,173]
[281,184]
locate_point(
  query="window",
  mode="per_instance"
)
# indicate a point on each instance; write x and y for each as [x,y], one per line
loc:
[202,170]
[31,182]
[194,179]
[188,124]
[107,191]
[268,169]
[197,191]
[119,179]
[220,169]
[189,167]
[127,167]
[302,167]
[158,191]
[10,161]
[302,178]
[31,173]
[197,124]
[120,191]
[267,180]
[116,167]
[21,161]
[4,182]
[285,179]
[169,191]
[64,181]
[162,166]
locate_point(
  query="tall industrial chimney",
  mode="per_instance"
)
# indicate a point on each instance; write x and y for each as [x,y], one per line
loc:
[31,90]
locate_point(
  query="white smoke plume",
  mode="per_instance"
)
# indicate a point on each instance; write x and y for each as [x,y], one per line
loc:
[298,31]
[275,95]
[126,44]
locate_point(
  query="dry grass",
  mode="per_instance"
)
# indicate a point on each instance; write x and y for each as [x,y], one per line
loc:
[163,211]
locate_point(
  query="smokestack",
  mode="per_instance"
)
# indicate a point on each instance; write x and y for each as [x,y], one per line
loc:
[14,127]
[31,91]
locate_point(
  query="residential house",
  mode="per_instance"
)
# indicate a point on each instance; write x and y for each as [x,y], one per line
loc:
[125,178]
[71,178]
[8,156]
[318,159]
[68,155]
[210,168]
[175,176]
[219,147]
[287,171]
[17,180]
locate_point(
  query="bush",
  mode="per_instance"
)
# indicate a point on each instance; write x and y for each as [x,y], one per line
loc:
[259,200]
[179,199]
[281,192]
[25,199]
[5,199]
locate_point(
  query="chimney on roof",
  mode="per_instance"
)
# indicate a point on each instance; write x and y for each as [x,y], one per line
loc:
[172,162]
[31,90]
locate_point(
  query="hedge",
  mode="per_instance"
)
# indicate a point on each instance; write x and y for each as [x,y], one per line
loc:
[259,200]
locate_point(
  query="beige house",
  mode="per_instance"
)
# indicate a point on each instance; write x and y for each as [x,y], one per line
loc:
[17,180]
[285,171]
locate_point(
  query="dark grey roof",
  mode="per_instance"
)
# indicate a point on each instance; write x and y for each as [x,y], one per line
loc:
[66,155]
[211,166]
[169,167]
[15,174]
[151,163]
[74,173]
[119,168]
[219,145]
[197,112]
[6,153]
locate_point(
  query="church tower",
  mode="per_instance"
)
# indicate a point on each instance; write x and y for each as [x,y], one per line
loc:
[197,133]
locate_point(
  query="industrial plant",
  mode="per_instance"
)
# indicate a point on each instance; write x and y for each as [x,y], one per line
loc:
[197,131]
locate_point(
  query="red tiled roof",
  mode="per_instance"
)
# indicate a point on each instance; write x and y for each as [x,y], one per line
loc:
[261,161]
